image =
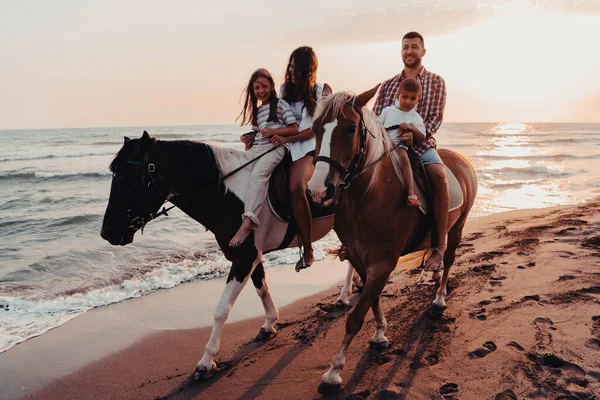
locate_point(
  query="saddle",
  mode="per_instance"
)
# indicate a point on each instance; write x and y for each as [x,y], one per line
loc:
[279,200]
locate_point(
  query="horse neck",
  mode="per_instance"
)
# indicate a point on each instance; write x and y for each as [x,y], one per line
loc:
[382,163]
[193,175]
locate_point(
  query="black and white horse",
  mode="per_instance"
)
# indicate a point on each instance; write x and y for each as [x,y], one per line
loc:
[147,172]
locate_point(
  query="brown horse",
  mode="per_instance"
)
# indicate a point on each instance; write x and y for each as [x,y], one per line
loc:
[357,166]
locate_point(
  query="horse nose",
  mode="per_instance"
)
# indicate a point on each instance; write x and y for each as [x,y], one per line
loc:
[329,191]
[105,233]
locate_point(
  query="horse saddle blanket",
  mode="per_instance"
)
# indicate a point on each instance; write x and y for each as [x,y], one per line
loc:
[279,194]
[424,192]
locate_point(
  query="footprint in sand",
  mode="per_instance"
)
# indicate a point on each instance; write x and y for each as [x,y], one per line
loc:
[506,395]
[487,348]
[479,314]
[448,389]
[594,341]
[494,299]
[432,359]
[566,278]
[533,297]
[516,346]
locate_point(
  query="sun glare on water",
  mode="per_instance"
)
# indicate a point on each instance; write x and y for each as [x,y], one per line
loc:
[517,170]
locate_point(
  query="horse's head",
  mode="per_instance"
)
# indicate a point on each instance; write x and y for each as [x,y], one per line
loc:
[341,136]
[136,191]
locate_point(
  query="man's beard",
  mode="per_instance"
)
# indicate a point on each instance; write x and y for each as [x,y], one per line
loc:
[416,61]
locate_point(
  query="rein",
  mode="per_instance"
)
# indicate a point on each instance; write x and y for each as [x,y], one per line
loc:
[238,169]
[138,222]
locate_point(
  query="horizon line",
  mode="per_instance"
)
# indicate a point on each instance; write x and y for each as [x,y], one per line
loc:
[238,126]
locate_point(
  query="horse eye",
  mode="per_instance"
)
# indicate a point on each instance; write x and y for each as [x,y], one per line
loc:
[350,131]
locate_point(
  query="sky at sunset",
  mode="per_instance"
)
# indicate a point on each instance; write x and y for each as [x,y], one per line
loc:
[68,63]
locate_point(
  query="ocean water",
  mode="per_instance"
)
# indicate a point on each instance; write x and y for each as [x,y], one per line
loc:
[54,187]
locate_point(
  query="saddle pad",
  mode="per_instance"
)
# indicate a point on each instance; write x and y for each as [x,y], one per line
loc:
[454,191]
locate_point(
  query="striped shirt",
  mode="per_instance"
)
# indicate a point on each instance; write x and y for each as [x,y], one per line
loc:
[285,117]
[430,108]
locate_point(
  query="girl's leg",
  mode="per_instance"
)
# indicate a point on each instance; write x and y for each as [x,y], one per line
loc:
[407,174]
[256,193]
[300,173]
[242,233]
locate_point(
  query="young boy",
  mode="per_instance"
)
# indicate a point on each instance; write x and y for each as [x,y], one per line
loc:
[400,118]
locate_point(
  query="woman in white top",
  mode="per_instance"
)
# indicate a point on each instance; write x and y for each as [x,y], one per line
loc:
[302,92]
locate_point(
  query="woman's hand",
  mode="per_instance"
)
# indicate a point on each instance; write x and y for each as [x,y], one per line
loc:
[278,140]
[248,140]
[407,137]
[267,132]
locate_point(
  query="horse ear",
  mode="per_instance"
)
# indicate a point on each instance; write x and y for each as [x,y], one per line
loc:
[126,139]
[145,136]
[363,98]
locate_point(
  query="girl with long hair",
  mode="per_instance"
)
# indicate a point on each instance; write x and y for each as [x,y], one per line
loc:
[302,92]
[273,117]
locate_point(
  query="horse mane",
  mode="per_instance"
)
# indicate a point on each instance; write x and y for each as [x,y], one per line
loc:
[378,141]
[228,159]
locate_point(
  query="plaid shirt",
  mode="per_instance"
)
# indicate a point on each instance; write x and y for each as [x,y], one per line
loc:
[430,107]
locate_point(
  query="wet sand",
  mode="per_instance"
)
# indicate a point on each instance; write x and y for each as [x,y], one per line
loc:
[523,321]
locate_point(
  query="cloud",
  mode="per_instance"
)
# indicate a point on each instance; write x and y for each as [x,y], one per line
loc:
[390,23]
[580,7]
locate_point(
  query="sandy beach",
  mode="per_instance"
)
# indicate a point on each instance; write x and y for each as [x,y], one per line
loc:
[523,321]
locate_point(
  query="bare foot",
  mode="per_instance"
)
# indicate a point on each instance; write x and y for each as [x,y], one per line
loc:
[434,262]
[242,233]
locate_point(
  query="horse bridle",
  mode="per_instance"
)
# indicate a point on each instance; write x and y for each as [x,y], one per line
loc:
[139,222]
[349,174]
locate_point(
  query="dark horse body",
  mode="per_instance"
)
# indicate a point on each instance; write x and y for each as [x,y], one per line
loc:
[355,160]
[146,173]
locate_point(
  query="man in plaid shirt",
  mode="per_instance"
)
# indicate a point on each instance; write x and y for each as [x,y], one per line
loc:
[431,109]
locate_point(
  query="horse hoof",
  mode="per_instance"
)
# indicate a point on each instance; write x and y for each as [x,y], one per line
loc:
[202,373]
[379,345]
[341,304]
[328,389]
[263,335]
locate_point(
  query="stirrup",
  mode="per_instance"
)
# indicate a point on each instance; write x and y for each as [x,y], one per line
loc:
[301,264]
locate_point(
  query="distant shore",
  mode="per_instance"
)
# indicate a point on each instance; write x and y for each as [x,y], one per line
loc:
[522,320]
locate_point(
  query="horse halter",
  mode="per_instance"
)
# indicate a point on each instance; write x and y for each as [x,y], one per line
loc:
[349,174]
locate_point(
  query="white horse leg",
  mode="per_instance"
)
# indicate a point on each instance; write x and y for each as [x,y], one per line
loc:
[378,339]
[442,292]
[332,381]
[206,366]
[344,297]
[272,314]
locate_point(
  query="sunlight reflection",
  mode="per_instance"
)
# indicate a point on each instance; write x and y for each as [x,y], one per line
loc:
[518,170]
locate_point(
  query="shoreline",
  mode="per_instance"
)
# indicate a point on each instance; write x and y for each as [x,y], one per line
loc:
[491,277]
[106,330]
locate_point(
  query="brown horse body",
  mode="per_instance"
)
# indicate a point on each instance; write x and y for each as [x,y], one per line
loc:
[372,219]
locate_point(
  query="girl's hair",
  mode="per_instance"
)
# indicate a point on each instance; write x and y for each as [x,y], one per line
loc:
[305,68]
[249,113]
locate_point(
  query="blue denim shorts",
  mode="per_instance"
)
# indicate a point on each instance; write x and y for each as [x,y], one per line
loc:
[430,157]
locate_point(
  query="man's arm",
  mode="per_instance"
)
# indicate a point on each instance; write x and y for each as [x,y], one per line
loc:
[435,116]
